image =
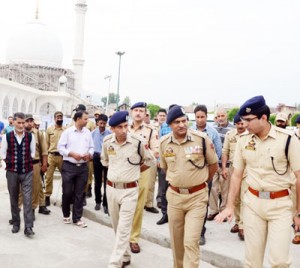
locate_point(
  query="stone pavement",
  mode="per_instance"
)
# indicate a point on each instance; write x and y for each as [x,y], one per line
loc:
[58,245]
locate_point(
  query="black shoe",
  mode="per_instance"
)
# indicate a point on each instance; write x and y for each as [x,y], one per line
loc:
[28,232]
[47,201]
[106,210]
[33,214]
[152,210]
[98,206]
[84,201]
[10,222]
[163,220]
[125,263]
[44,210]
[202,240]
[15,229]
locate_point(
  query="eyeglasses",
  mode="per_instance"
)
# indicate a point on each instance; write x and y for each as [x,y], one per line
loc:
[247,120]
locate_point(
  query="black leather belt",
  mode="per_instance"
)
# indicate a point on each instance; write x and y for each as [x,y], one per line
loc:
[75,164]
[97,155]
[55,153]
[35,161]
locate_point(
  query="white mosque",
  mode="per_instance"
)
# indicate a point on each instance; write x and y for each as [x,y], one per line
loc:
[33,80]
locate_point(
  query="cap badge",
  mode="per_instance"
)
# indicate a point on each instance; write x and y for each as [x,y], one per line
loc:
[248,110]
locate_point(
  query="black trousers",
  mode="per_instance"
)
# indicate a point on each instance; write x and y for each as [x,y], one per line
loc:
[100,172]
[74,179]
[162,190]
[14,180]
[205,219]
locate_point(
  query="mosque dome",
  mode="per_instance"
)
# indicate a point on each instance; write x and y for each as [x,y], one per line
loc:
[35,44]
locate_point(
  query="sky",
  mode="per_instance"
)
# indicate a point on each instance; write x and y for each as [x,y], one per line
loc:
[211,52]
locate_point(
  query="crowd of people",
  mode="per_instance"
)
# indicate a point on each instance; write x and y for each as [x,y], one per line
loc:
[247,170]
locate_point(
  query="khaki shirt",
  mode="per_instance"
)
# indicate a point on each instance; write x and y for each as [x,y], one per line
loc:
[90,125]
[149,135]
[40,144]
[230,141]
[254,155]
[53,135]
[175,156]
[116,156]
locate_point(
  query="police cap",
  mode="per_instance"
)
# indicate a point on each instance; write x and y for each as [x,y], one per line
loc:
[80,107]
[139,105]
[118,118]
[175,112]
[252,105]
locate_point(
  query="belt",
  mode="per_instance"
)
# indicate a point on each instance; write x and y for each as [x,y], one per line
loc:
[269,195]
[120,185]
[188,190]
[75,164]
[97,155]
[55,153]
[36,161]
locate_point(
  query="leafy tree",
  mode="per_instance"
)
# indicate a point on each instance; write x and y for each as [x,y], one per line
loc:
[231,113]
[293,119]
[112,98]
[127,101]
[272,119]
[153,108]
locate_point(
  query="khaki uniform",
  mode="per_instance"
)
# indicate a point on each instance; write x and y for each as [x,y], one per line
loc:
[267,218]
[150,137]
[90,126]
[38,197]
[54,158]
[152,175]
[186,211]
[122,201]
[229,146]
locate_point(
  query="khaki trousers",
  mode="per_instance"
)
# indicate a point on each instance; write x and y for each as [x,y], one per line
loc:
[138,214]
[267,220]
[121,204]
[90,176]
[54,161]
[151,186]
[219,184]
[186,216]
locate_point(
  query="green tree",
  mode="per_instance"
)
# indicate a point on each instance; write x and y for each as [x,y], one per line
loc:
[127,101]
[293,119]
[231,113]
[153,108]
[112,98]
[272,119]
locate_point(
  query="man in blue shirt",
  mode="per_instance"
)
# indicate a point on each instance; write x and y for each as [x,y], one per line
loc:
[201,125]
[99,170]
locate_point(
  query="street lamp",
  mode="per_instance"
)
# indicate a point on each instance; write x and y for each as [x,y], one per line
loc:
[120,54]
[109,78]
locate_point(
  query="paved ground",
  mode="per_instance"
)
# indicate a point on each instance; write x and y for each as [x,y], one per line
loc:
[58,245]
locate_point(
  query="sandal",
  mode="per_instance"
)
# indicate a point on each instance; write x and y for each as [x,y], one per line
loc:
[81,224]
[67,220]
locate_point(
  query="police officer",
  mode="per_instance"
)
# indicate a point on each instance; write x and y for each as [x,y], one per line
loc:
[190,161]
[150,137]
[39,164]
[126,156]
[53,134]
[267,153]
[230,141]
[281,120]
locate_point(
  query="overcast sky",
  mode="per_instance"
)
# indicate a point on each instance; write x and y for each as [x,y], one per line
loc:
[178,51]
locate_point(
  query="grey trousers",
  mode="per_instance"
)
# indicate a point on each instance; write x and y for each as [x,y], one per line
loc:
[14,180]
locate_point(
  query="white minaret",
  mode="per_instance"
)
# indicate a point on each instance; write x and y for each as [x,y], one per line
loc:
[78,61]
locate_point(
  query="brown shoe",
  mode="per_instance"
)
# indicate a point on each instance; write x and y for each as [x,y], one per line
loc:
[296,240]
[125,263]
[211,217]
[135,248]
[234,229]
[241,234]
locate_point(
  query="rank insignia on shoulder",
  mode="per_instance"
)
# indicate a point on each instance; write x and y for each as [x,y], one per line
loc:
[251,145]
[169,152]
[111,150]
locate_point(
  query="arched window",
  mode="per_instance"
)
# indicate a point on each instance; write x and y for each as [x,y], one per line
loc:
[15,106]
[5,108]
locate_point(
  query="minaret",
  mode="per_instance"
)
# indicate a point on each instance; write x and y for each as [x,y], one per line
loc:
[78,61]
